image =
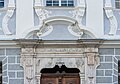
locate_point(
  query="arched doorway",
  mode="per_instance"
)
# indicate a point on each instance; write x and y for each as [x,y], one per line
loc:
[60,75]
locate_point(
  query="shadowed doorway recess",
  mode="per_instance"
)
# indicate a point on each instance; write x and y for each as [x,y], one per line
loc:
[60,75]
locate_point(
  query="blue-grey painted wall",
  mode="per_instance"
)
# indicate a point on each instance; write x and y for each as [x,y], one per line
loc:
[12,71]
[107,72]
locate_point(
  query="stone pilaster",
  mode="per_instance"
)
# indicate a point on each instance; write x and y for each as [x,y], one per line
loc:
[82,78]
[27,62]
[92,61]
[38,79]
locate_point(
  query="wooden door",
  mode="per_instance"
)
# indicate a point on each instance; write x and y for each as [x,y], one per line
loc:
[71,80]
[49,79]
[60,79]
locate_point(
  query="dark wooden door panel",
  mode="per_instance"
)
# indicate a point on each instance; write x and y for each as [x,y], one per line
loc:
[49,81]
[71,81]
[60,79]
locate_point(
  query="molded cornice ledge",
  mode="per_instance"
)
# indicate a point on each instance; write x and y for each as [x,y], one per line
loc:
[90,42]
[95,43]
[6,18]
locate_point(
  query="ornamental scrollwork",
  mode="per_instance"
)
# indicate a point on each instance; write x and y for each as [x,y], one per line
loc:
[78,14]
[75,30]
[44,31]
[110,15]
[6,18]
[42,14]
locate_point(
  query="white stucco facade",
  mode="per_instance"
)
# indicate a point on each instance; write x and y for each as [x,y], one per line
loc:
[34,36]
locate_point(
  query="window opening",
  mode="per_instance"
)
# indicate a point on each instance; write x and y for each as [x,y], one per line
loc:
[1,3]
[117,4]
[63,3]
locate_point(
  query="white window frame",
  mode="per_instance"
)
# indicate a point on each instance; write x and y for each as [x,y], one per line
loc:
[60,3]
[117,1]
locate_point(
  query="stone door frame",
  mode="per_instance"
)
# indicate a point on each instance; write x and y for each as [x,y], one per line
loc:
[48,54]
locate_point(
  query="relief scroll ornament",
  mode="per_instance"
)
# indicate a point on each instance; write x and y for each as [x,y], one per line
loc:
[44,29]
[110,15]
[78,14]
[6,18]
[75,30]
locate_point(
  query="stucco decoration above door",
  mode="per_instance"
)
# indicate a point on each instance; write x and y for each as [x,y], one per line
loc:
[49,26]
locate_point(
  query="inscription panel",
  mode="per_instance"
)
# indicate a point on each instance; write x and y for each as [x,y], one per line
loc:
[59,50]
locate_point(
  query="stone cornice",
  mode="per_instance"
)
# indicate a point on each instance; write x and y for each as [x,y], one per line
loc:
[73,43]
[60,43]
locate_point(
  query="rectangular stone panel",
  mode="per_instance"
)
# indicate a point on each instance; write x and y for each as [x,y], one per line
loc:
[108,58]
[2,51]
[100,72]
[12,51]
[91,59]
[5,67]
[4,73]
[106,80]
[106,51]
[117,51]
[11,59]
[20,75]
[18,59]
[115,78]
[101,58]
[108,72]
[11,74]
[105,66]
[1,58]
[14,67]
[5,79]
[16,81]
